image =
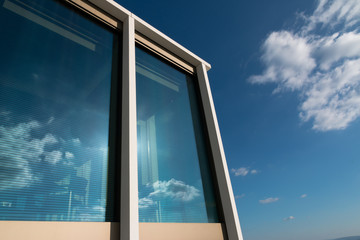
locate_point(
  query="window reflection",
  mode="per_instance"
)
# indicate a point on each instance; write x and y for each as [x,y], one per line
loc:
[174,177]
[55,72]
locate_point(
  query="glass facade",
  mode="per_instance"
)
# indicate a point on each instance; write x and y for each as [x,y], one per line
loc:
[55,79]
[175,183]
[60,124]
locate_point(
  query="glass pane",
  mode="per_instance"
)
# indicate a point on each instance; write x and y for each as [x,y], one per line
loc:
[174,177]
[55,72]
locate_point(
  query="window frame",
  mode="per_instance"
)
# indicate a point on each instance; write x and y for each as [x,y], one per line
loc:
[132,27]
[10,230]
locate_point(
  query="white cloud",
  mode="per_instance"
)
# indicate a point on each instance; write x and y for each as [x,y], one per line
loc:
[69,155]
[51,119]
[146,202]
[289,218]
[100,209]
[269,200]
[303,195]
[282,67]
[337,47]
[243,171]
[330,13]
[333,100]
[174,189]
[15,172]
[323,69]
[240,171]
[53,157]
[49,139]
[76,141]
[19,150]
[16,150]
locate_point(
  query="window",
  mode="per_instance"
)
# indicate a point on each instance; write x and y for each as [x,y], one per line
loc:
[173,167]
[68,121]
[56,67]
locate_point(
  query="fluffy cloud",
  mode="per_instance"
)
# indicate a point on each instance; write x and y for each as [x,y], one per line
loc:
[53,157]
[243,171]
[323,69]
[289,218]
[69,155]
[76,141]
[19,150]
[15,171]
[333,99]
[268,200]
[16,148]
[174,189]
[282,67]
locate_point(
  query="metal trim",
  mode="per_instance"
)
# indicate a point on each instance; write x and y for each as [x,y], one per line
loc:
[164,53]
[96,12]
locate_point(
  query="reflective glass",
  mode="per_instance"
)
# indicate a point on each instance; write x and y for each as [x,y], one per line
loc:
[55,74]
[175,183]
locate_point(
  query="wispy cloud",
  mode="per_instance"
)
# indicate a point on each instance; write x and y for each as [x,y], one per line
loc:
[289,218]
[51,119]
[321,62]
[243,171]
[335,12]
[240,171]
[5,113]
[303,195]
[240,196]
[145,202]
[269,200]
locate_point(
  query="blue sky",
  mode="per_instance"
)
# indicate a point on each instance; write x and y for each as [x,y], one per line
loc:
[286,86]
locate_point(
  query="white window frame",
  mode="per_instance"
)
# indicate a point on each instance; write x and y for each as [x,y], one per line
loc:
[118,17]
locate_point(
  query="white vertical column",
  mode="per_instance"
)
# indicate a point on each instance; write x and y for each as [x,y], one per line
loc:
[232,222]
[129,217]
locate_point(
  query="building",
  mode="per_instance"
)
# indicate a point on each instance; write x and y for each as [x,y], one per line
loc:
[107,129]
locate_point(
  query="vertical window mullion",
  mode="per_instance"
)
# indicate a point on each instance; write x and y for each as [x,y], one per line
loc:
[129,227]
[231,218]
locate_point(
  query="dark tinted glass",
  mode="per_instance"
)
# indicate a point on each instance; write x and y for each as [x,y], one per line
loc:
[55,74]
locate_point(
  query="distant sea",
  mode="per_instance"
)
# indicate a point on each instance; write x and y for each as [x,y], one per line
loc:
[348,238]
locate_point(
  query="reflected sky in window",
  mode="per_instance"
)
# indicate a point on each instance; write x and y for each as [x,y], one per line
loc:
[175,184]
[55,72]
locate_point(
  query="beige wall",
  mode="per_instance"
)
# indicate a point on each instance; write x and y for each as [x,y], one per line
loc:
[19,230]
[181,231]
